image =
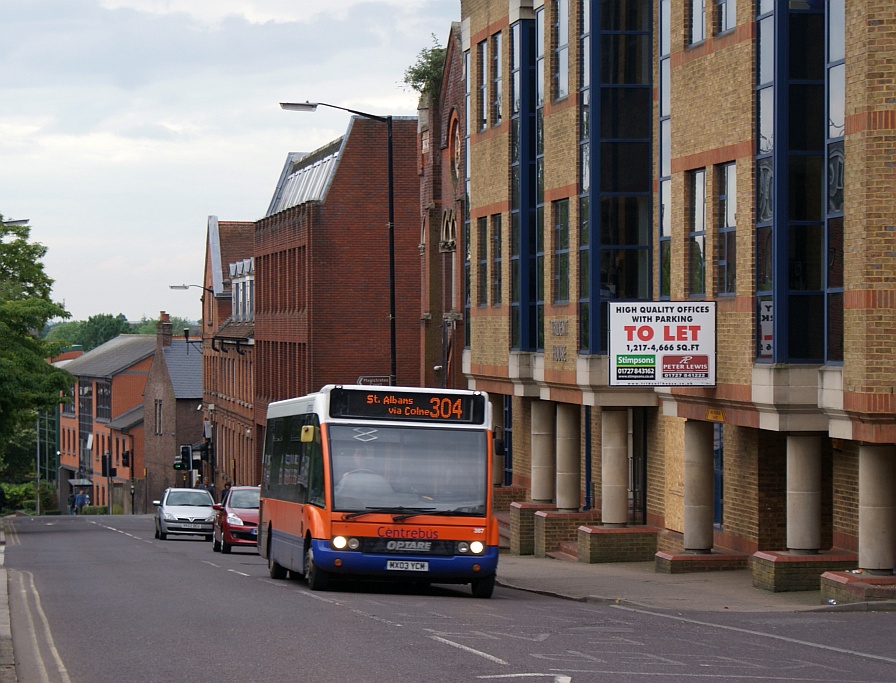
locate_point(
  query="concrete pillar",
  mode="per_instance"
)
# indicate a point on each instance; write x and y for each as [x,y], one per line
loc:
[698,486]
[877,508]
[804,494]
[614,467]
[543,467]
[569,459]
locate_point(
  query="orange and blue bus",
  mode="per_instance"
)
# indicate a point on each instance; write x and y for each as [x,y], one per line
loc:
[374,482]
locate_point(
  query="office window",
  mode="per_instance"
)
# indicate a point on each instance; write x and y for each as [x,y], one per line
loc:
[727,229]
[561,250]
[497,111]
[481,84]
[726,18]
[104,399]
[482,257]
[560,31]
[496,259]
[697,234]
[698,20]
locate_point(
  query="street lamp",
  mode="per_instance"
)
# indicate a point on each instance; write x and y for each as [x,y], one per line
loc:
[207,289]
[312,106]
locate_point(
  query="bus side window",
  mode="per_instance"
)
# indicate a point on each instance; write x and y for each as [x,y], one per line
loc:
[273,453]
[315,465]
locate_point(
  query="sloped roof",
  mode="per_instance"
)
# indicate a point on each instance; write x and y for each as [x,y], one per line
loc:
[236,329]
[306,177]
[113,357]
[129,418]
[185,368]
[228,241]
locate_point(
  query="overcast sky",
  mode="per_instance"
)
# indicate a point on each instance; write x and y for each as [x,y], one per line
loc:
[124,124]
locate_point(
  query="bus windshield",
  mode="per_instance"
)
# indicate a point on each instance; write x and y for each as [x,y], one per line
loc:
[417,470]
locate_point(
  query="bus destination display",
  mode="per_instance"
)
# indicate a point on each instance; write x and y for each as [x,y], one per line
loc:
[429,406]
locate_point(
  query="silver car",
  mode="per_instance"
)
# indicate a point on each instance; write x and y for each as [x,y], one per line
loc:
[184,512]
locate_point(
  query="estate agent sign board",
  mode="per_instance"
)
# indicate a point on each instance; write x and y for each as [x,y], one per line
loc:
[663,343]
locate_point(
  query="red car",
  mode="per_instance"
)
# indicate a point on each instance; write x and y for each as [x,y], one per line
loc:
[236,519]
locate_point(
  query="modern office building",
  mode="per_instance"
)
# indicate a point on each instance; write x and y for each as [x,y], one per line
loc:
[324,265]
[680,271]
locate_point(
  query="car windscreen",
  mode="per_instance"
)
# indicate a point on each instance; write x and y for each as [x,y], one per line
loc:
[200,498]
[245,500]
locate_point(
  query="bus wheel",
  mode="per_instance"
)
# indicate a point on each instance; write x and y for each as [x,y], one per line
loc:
[276,570]
[316,577]
[484,587]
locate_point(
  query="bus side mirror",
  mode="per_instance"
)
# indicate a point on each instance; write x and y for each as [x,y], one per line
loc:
[307,433]
[498,446]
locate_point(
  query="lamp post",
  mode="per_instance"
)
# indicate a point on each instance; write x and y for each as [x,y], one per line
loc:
[312,106]
[207,289]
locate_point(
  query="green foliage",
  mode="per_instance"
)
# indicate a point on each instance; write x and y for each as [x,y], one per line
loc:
[425,75]
[27,380]
[95,331]
[148,326]
[17,464]
[19,496]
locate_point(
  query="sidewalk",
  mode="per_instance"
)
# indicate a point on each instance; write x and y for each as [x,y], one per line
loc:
[637,584]
[7,658]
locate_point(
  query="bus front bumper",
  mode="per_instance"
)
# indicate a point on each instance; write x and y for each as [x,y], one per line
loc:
[406,567]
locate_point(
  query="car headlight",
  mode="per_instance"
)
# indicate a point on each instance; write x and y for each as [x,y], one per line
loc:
[170,517]
[210,518]
[233,520]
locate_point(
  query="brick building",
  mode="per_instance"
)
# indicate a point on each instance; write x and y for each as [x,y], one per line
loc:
[170,415]
[322,266]
[688,151]
[440,140]
[104,420]
[228,348]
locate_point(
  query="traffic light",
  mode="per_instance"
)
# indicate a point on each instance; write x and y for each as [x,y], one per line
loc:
[184,460]
[105,465]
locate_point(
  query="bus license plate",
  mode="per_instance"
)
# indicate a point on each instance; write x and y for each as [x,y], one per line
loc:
[407,566]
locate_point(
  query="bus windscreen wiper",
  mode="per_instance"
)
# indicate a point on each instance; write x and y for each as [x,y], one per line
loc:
[389,510]
[413,512]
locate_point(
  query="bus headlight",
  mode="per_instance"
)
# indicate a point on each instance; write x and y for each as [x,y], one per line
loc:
[341,543]
[476,547]
[472,548]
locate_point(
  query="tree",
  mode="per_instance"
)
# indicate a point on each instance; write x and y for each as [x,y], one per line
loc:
[95,331]
[149,326]
[425,75]
[27,380]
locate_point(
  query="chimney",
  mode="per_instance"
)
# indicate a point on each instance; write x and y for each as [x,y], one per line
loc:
[163,330]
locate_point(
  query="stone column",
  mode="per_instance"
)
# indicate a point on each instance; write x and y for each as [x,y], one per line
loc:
[804,494]
[569,461]
[698,486]
[877,508]
[543,467]
[614,467]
